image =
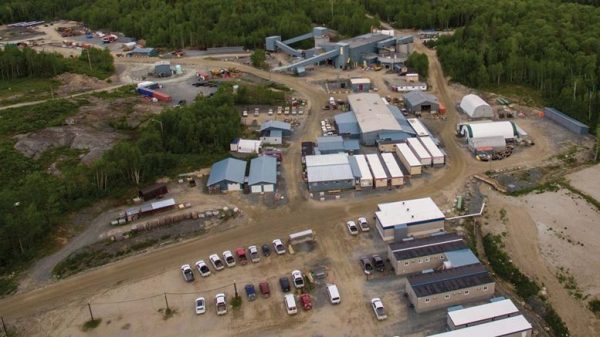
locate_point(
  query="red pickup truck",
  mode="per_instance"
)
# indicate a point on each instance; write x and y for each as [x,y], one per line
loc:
[241,255]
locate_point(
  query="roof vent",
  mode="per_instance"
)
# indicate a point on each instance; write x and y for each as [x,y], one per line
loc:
[408,209]
[412,216]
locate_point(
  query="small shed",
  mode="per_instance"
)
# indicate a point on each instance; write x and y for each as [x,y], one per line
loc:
[245,145]
[143,52]
[286,128]
[408,159]
[263,174]
[380,177]
[153,191]
[360,84]
[419,150]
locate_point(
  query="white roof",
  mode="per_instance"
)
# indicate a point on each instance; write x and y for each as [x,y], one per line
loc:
[392,165]
[498,328]
[248,145]
[505,129]
[326,159]
[471,102]
[482,312]
[372,113]
[430,146]
[419,128]
[363,167]
[329,173]
[408,212]
[418,148]
[360,81]
[376,167]
[408,154]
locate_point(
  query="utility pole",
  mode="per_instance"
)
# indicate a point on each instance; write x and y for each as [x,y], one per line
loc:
[166,301]
[89,59]
[235,289]
[90,309]
[4,326]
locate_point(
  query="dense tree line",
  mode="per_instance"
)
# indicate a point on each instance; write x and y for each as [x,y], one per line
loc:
[198,23]
[420,63]
[33,202]
[25,62]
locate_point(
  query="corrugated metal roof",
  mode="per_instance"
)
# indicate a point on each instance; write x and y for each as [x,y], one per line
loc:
[419,97]
[419,128]
[150,206]
[263,169]
[376,166]
[326,159]
[354,167]
[406,126]
[506,129]
[275,125]
[503,327]
[329,173]
[361,161]
[418,148]
[408,212]
[430,146]
[276,133]
[483,312]
[447,280]
[372,113]
[392,165]
[229,169]
[462,257]
[470,102]
[347,123]
[431,245]
[408,154]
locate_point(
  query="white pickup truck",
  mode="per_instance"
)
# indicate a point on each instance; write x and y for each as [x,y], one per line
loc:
[221,304]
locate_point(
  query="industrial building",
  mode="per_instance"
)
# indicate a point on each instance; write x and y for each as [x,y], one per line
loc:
[419,101]
[360,84]
[516,326]
[336,144]
[142,52]
[380,177]
[441,289]
[420,152]
[475,107]
[329,172]
[245,145]
[263,174]
[347,124]
[566,121]
[361,50]
[408,159]
[386,140]
[416,255]
[227,175]
[409,218]
[393,170]
[162,69]
[509,130]
[480,314]
[273,132]
[364,177]
[437,156]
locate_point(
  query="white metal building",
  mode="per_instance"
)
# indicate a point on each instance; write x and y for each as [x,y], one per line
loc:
[245,146]
[396,175]
[408,159]
[507,129]
[419,150]
[419,128]
[486,144]
[516,326]
[401,219]
[366,179]
[493,311]
[475,107]
[437,156]
[380,178]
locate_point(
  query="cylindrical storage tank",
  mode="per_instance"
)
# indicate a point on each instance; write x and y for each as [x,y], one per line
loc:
[161,96]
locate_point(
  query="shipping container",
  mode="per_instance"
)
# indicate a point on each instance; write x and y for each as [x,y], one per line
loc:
[161,96]
[145,92]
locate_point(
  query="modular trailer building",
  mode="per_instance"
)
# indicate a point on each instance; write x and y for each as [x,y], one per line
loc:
[263,174]
[418,217]
[366,179]
[395,173]
[419,128]
[448,287]
[566,121]
[380,178]
[329,172]
[516,326]
[411,163]
[437,156]
[419,150]
[480,314]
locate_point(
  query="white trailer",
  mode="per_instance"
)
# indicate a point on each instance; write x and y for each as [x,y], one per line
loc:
[408,159]
[437,156]
[396,175]
[419,150]
[379,175]
[419,128]
[303,236]
[366,179]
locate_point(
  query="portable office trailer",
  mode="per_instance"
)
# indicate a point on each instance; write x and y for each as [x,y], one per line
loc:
[380,178]
[300,237]
[408,159]
[515,326]
[396,175]
[437,156]
[366,179]
[419,128]
[480,314]
[419,150]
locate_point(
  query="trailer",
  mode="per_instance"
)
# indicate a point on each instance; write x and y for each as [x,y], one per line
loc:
[366,179]
[379,176]
[396,175]
[437,156]
[408,159]
[302,236]
[145,92]
[418,149]
[161,96]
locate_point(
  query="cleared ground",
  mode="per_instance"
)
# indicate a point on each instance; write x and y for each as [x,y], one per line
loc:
[587,181]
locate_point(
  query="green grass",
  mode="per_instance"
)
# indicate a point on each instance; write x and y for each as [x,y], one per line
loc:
[121,92]
[518,94]
[26,90]
[35,117]
[91,324]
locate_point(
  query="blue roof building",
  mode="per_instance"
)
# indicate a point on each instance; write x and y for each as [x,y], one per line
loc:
[285,128]
[337,144]
[461,257]
[227,175]
[263,174]
[147,52]
[347,124]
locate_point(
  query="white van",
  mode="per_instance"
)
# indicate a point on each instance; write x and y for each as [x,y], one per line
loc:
[290,304]
[334,294]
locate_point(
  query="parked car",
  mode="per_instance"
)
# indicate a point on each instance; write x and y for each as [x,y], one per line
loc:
[279,247]
[306,301]
[290,304]
[188,274]
[284,283]
[378,262]
[216,262]
[250,292]
[253,252]
[351,225]
[221,304]
[333,294]
[241,255]
[366,265]
[298,279]
[378,309]
[266,250]
[363,224]
[265,290]
[229,259]
[200,305]
[202,268]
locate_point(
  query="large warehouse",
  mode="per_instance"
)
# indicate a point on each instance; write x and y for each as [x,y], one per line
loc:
[329,172]
[418,217]
[373,118]
[475,107]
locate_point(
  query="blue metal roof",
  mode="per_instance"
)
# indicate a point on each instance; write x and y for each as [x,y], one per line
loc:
[351,145]
[263,169]
[462,257]
[354,167]
[402,120]
[333,143]
[276,133]
[276,125]
[394,136]
[347,123]
[229,169]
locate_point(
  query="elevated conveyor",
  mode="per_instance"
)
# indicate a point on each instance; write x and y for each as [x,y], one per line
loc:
[287,49]
[310,61]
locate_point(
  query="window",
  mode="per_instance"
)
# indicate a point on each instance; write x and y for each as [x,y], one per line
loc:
[426,300]
[420,260]
[485,288]
[441,257]
[406,263]
[447,296]
[466,292]
[426,259]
